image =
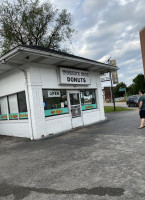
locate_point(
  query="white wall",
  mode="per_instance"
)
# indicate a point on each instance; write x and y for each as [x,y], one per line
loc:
[50,79]
[18,128]
[46,77]
[91,116]
[12,83]
[57,124]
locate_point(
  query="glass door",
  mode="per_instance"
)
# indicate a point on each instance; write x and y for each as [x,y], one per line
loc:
[75,105]
[75,108]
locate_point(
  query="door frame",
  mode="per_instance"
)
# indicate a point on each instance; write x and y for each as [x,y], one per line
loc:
[69,106]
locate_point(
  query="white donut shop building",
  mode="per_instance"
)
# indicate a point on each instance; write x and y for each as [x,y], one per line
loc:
[44,92]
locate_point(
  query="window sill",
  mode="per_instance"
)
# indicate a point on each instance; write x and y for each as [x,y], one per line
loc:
[57,117]
[91,110]
[14,121]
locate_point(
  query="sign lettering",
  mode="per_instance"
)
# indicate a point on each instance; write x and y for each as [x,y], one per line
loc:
[54,93]
[105,77]
[74,76]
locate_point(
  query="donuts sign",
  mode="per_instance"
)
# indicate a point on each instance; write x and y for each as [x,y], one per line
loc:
[74,77]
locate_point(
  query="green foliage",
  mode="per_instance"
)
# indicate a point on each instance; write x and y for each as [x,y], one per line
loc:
[138,84]
[27,22]
[133,89]
[116,91]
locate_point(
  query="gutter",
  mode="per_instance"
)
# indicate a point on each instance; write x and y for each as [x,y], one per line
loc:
[9,55]
[28,101]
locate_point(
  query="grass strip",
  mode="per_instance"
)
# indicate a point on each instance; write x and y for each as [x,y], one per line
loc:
[109,109]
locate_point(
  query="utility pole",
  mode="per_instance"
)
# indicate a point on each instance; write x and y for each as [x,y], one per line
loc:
[113,63]
[112,95]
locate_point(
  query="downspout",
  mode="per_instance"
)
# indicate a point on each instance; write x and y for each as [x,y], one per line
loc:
[28,98]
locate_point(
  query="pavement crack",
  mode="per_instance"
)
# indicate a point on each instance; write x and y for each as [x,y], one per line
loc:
[21,192]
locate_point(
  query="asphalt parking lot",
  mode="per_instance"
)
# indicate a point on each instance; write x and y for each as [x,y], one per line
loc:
[104,162]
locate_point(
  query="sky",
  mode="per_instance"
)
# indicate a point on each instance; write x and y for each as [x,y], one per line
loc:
[107,29]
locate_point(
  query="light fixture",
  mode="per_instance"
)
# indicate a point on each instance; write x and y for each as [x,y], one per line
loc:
[3,61]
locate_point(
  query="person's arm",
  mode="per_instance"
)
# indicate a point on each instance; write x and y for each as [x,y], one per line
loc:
[140,105]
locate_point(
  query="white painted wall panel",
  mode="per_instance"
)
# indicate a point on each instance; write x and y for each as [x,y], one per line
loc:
[57,124]
[12,83]
[91,116]
[15,128]
[45,78]
[50,79]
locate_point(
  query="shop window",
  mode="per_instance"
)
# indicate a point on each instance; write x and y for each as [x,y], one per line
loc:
[55,102]
[23,114]
[3,108]
[88,99]
[13,106]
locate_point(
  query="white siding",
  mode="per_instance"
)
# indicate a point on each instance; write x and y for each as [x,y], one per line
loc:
[58,124]
[44,77]
[47,77]
[12,83]
[15,128]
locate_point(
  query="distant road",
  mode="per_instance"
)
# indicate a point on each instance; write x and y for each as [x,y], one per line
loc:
[121,104]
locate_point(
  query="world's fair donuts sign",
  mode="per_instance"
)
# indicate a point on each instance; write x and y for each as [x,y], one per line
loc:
[74,77]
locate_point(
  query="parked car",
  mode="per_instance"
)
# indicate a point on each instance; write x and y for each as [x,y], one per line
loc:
[132,101]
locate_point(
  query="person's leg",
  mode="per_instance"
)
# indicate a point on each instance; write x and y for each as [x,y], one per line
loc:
[142,119]
[142,122]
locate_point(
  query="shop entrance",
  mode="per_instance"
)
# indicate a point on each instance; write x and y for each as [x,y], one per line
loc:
[75,108]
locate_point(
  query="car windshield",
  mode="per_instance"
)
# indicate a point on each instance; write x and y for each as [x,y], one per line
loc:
[136,98]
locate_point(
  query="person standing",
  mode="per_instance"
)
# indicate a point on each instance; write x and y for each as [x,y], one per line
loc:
[141,107]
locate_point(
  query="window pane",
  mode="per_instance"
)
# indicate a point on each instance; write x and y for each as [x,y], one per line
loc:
[23,114]
[22,102]
[74,99]
[88,99]
[13,106]
[3,108]
[55,102]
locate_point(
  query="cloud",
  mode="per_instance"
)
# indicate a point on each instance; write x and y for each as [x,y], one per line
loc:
[120,75]
[108,29]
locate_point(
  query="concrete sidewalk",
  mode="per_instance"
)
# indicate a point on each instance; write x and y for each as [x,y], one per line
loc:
[103,162]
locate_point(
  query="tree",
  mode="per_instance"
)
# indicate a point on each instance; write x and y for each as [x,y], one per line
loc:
[27,22]
[116,91]
[138,84]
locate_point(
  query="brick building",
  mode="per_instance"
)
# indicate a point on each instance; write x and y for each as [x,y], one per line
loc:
[142,42]
[107,94]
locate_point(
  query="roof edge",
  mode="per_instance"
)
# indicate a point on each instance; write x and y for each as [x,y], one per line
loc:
[52,53]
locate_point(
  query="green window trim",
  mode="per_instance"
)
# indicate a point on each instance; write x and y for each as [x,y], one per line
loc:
[23,115]
[13,116]
[89,107]
[53,112]
[3,117]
